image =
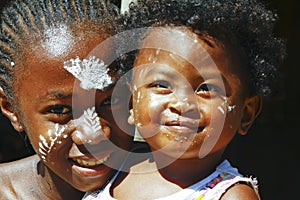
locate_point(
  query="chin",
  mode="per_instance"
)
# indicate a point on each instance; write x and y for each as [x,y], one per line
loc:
[89,186]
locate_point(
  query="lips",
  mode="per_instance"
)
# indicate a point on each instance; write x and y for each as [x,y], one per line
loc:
[184,125]
[90,167]
[90,162]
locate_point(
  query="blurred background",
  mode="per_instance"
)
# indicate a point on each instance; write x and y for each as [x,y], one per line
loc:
[270,150]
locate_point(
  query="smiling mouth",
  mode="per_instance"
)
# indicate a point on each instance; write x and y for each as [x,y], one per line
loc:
[184,127]
[90,163]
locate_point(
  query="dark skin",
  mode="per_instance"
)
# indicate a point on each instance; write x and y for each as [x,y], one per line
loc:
[175,120]
[48,96]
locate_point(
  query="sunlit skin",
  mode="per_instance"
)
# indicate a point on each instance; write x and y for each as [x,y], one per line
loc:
[47,95]
[173,97]
[178,105]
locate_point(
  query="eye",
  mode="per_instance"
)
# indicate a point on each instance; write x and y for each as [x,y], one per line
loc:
[160,84]
[209,90]
[161,87]
[59,110]
[110,101]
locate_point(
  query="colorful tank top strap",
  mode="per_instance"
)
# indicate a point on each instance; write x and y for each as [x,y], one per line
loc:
[219,189]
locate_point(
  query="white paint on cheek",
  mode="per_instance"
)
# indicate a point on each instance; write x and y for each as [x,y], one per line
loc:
[55,137]
[172,56]
[225,106]
[134,87]
[92,72]
[138,97]
[180,138]
[221,110]
[157,51]
[150,57]
[230,108]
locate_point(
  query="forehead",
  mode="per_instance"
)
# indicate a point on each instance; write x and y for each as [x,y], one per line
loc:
[199,50]
[173,38]
[62,42]
[43,55]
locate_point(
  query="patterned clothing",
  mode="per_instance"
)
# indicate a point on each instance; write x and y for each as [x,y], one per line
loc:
[210,188]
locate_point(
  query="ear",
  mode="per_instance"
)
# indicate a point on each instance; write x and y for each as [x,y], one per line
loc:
[252,109]
[8,110]
[130,119]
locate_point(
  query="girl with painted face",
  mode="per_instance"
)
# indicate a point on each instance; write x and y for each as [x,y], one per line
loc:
[56,82]
[198,80]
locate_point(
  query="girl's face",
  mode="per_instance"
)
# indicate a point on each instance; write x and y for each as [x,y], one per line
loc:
[188,96]
[48,97]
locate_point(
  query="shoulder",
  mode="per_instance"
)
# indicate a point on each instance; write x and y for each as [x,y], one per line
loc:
[13,174]
[240,191]
[237,188]
[12,169]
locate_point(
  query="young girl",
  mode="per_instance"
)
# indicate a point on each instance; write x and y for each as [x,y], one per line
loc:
[198,80]
[57,75]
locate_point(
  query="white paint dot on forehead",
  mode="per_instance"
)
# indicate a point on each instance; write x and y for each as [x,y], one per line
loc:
[57,40]
[91,72]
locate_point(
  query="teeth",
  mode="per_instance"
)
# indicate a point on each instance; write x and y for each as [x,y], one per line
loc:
[90,163]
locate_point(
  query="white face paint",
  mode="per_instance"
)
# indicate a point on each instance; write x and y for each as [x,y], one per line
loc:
[89,126]
[88,123]
[57,40]
[225,106]
[92,72]
[55,136]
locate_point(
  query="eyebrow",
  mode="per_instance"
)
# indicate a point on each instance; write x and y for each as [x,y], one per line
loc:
[53,95]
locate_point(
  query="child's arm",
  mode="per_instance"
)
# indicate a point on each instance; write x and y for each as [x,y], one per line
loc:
[238,188]
[240,192]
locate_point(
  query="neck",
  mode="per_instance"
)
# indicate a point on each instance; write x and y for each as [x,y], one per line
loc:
[185,172]
[54,187]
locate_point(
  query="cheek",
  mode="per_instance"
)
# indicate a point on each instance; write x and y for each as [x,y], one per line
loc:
[230,123]
[52,143]
[147,108]
[216,117]
[121,139]
[33,130]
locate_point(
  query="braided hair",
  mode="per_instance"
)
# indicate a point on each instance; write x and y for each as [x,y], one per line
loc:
[23,18]
[248,23]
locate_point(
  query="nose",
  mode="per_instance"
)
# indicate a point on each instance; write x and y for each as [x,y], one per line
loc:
[90,129]
[185,105]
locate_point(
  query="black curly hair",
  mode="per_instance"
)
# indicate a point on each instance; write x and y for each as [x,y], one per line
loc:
[23,18]
[246,22]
